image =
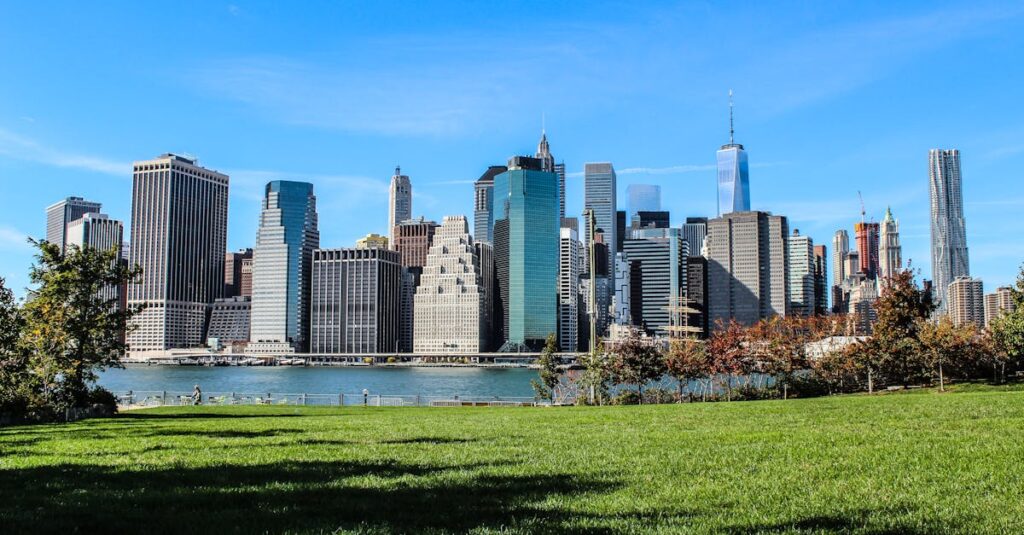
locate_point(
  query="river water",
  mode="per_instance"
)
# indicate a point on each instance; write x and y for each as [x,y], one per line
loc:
[503,382]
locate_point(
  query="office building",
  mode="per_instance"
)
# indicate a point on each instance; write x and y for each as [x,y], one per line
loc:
[399,201]
[355,301]
[526,237]
[412,241]
[801,274]
[821,290]
[658,274]
[97,231]
[966,301]
[998,303]
[230,320]
[179,234]
[449,299]
[621,301]
[697,296]
[861,297]
[620,229]
[570,255]
[374,241]
[733,174]
[483,200]
[599,185]
[948,227]
[488,285]
[233,272]
[547,164]
[642,198]
[694,231]
[62,213]
[648,220]
[890,252]
[287,235]
[747,267]
[245,286]
[840,251]
[866,235]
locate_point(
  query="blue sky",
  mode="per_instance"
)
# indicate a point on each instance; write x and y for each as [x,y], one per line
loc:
[831,98]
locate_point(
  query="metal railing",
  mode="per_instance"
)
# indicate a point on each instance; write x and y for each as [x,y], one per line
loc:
[135,399]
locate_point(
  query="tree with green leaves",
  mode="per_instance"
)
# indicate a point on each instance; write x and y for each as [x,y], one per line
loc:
[1008,327]
[548,370]
[894,348]
[950,350]
[596,375]
[636,361]
[73,327]
[12,359]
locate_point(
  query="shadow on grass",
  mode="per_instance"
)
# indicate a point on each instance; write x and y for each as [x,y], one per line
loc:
[851,521]
[289,496]
[428,440]
[198,416]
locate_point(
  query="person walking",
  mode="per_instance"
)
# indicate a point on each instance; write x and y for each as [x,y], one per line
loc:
[366,397]
[197,396]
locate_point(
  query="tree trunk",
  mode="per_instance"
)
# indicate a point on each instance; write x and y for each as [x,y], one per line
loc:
[785,390]
[871,383]
[942,384]
[728,387]
[640,390]
[680,391]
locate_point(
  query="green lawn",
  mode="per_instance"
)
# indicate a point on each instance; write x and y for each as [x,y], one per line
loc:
[884,464]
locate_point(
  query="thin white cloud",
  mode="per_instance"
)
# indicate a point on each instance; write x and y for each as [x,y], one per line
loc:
[22,148]
[12,239]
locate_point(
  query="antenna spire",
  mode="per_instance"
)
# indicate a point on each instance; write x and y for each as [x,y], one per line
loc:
[543,121]
[731,131]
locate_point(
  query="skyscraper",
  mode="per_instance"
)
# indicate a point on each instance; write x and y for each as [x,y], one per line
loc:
[526,251]
[599,185]
[97,231]
[450,300]
[801,274]
[733,175]
[230,320]
[840,251]
[949,234]
[866,235]
[747,267]
[966,301]
[233,272]
[821,290]
[570,253]
[282,264]
[548,164]
[643,198]
[355,301]
[413,238]
[658,271]
[399,201]
[622,299]
[483,195]
[61,213]
[179,234]
[694,231]
[245,286]
[890,253]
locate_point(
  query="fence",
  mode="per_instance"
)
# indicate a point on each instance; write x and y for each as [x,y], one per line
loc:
[135,399]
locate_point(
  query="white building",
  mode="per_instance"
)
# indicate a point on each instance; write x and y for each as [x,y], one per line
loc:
[801,274]
[97,231]
[449,300]
[570,252]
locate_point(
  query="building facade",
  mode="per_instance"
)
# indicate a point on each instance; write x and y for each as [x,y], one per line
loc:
[62,213]
[374,241]
[245,284]
[694,231]
[450,299]
[570,261]
[230,320]
[890,252]
[642,198]
[658,275]
[948,227]
[801,274]
[966,301]
[282,266]
[997,303]
[355,301]
[97,231]
[399,201]
[483,200]
[179,233]
[747,267]
[413,238]
[821,290]
[866,235]
[600,185]
[233,272]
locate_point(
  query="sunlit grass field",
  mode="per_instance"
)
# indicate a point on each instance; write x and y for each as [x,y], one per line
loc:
[919,463]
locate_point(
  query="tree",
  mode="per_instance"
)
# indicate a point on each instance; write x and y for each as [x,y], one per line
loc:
[12,359]
[596,374]
[636,361]
[1008,327]
[686,361]
[948,348]
[73,328]
[725,350]
[894,348]
[549,372]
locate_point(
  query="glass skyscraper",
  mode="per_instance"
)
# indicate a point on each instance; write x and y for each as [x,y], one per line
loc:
[599,187]
[526,200]
[643,198]
[733,180]
[282,264]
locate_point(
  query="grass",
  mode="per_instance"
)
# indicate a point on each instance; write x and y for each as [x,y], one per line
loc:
[870,464]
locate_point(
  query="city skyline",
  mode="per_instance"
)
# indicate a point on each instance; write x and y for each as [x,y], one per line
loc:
[50,137]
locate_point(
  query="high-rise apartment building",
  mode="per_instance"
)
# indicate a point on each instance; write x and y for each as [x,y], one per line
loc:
[399,201]
[355,301]
[282,266]
[821,290]
[643,198]
[570,254]
[233,272]
[450,300]
[61,213]
[948,227]
[483,201]
[526,238]
[694,231]
[733,174]
[890,252]
[866,235]
[997,303]
[966,301]
[179,234]
[801,274]
[747,267]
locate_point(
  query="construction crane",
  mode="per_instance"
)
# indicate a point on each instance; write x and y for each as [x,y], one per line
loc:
[862,211]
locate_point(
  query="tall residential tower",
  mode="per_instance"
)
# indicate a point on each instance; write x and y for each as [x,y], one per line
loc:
[949,234]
